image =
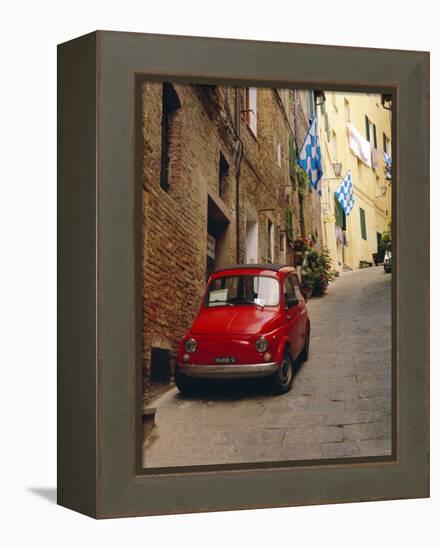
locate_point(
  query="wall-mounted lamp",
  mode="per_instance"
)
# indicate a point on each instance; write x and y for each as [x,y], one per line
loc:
[337,169]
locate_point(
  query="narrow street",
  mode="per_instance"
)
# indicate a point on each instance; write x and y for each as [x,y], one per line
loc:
[339,405]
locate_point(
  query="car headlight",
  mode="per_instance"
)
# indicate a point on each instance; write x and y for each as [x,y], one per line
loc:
[190,345]
[261,344]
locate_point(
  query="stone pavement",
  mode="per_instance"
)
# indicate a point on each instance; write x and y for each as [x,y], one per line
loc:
[339,405]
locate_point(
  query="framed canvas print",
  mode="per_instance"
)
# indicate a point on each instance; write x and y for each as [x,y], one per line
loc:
[243,274]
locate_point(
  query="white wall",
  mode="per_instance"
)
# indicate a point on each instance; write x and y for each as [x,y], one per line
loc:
[30,31]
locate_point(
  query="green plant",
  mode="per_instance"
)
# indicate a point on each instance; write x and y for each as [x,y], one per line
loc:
[318,271]
[302,178]
[384,243]
[308,280]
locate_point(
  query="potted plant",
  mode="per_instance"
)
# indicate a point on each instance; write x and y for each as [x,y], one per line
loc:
[318,272]
[307,284]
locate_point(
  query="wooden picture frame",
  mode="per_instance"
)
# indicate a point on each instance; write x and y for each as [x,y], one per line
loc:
[99,274]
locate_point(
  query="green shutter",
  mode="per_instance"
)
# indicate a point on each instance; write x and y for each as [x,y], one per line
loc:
[289,223]
[339,214]
[363,224]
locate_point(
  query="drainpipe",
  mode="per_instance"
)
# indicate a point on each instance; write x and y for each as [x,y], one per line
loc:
[239,153]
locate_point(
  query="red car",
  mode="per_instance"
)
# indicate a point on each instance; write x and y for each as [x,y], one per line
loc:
[253,322]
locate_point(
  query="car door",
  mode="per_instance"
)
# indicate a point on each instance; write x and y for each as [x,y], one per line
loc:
[293,316]
[302,310]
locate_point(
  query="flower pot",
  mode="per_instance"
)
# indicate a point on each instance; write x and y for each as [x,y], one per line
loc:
[307,291]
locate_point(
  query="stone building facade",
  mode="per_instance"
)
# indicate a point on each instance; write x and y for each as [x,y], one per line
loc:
[217,190]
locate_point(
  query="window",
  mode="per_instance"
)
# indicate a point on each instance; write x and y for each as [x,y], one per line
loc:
[170,106]
[296,287]
[250,109]
[363,224]
[292,291]
[289,293]
[347,110]
[241,290]
[223,172]
[386,145]
[370,132]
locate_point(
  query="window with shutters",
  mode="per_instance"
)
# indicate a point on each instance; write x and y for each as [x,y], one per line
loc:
[370,132]
[170,107]
[363,224]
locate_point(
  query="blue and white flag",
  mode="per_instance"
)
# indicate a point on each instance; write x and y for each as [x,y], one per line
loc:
[388,164]
[310,156]
[345,194]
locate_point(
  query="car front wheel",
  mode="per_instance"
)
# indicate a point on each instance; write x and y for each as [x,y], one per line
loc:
[185,385]
[282,379]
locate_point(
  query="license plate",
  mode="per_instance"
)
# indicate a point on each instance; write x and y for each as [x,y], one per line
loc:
[225,360]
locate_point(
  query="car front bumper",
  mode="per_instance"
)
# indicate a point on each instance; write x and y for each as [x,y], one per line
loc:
[228,371]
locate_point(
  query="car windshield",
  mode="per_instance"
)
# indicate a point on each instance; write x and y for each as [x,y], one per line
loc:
[243,290]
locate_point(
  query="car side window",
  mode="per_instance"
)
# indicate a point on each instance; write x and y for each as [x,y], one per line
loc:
[289,292]
[296,287]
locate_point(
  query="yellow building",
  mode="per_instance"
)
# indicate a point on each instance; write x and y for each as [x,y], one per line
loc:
[354,130]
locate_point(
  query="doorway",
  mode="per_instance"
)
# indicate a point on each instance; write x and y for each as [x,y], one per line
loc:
[251,237]
[217,250]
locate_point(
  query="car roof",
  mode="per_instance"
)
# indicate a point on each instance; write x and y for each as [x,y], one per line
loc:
[261,267]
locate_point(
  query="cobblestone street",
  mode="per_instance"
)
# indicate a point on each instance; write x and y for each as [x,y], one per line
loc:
[339,405]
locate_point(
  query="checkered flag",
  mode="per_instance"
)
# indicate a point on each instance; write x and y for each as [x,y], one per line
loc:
[310,156]
[345,194]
